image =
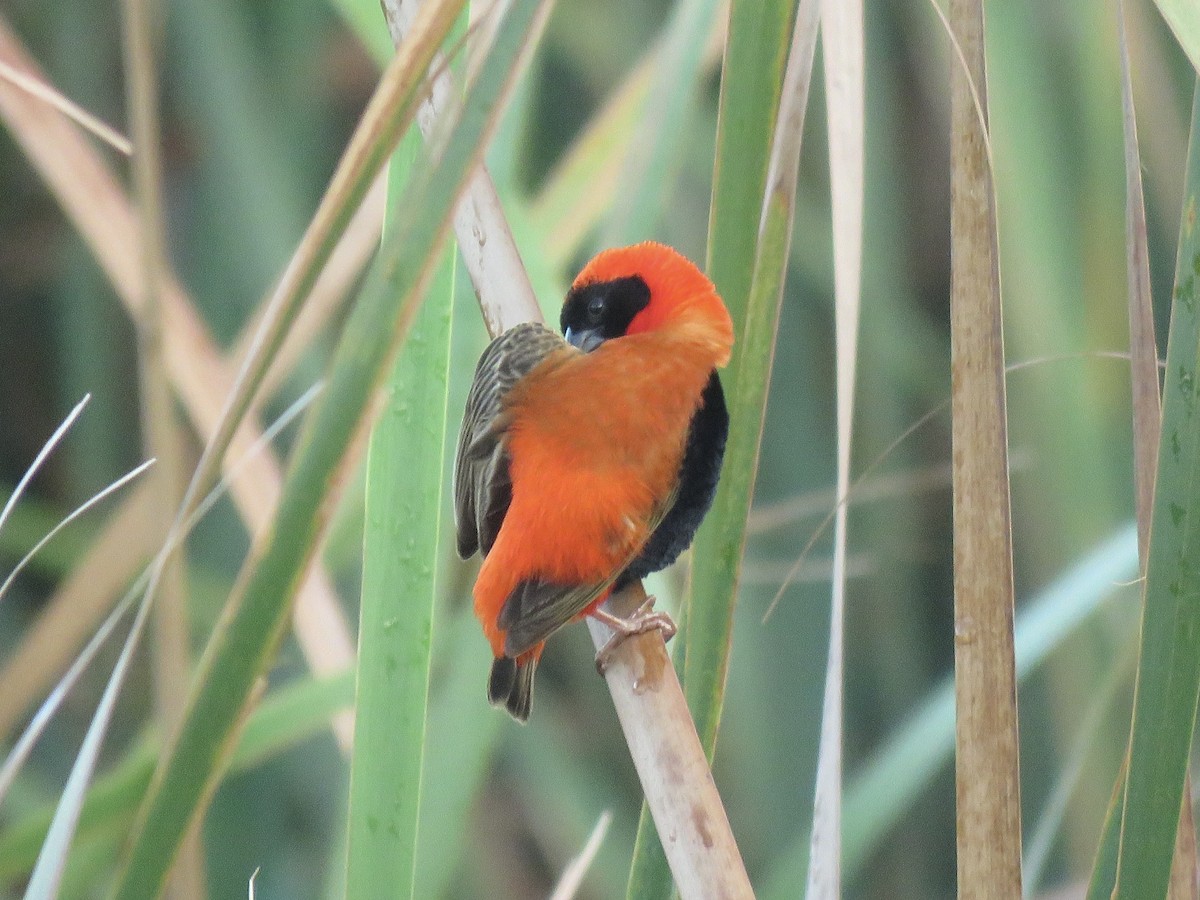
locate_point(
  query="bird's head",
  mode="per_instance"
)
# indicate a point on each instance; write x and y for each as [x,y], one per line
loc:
[643,288]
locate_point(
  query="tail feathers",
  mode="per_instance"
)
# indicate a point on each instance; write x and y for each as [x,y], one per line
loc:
[511,685]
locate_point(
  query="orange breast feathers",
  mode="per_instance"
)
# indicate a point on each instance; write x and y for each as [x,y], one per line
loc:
[595,442]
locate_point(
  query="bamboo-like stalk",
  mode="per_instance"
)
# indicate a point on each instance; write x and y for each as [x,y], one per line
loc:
[986,761]
[484,237]
[670,761]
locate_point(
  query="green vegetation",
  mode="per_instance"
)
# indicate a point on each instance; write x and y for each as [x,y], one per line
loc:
[611,132]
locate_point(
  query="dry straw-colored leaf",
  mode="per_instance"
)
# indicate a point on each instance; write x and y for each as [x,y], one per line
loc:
[845,70]
[986,745]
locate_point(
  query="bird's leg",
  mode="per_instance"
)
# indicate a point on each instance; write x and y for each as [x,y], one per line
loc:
[643,620]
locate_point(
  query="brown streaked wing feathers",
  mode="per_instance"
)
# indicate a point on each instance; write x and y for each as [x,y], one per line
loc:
[482,489]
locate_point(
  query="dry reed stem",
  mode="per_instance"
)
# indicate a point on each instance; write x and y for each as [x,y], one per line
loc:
[161,432]
[480,226]
[986,760]
[670,762]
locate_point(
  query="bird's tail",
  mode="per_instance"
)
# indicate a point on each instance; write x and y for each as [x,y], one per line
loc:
[511,684]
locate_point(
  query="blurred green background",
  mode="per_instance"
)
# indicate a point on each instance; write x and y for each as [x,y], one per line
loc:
[258,100]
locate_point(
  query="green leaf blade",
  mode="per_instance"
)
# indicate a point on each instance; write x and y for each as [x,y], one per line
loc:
[1168,678]
[403,505]
[752,77]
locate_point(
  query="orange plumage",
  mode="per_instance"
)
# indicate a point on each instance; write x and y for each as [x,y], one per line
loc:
[572,457]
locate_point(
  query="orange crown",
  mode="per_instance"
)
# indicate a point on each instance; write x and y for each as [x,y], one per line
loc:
[675,284]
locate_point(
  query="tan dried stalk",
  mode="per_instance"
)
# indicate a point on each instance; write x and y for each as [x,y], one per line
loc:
[986,746]
[161,433]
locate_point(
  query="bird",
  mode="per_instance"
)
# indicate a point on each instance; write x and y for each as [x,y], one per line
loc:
[587,460]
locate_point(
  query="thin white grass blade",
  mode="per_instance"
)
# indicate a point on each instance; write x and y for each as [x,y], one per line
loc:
[52,859]
[47,448]
[47,873]
[1049,822]
[573,875]
[24,746]
[71,517]
[181,527]
[73,111]
[842,24]
[19,754]
[37,725]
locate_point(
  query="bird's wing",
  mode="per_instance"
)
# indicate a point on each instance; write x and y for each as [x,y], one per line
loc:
[482,489]
[536,609]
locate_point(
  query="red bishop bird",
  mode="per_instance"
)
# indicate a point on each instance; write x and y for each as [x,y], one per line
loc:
[588,461]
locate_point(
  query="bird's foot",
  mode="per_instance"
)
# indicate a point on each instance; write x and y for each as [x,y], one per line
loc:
[643,620]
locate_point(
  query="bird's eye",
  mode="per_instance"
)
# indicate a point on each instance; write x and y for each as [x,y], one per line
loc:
[595,309]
